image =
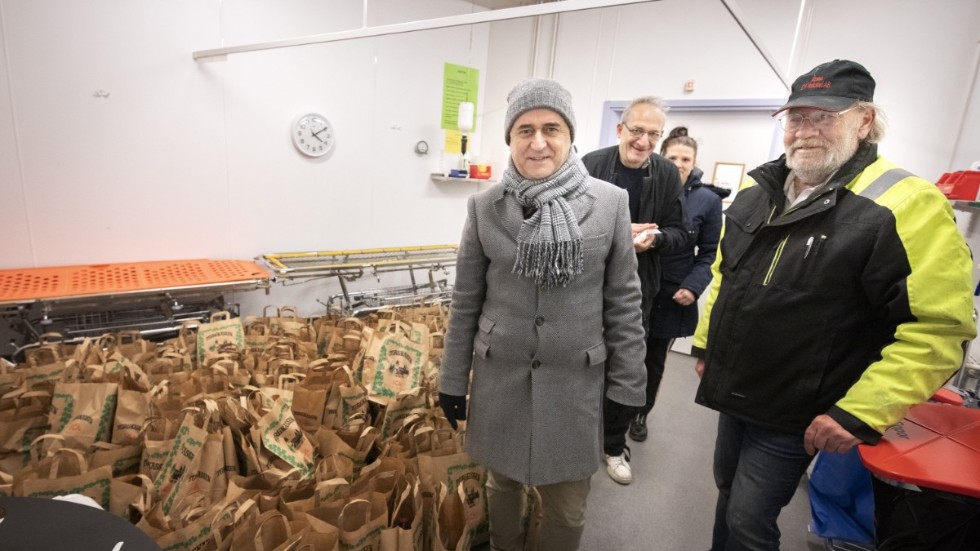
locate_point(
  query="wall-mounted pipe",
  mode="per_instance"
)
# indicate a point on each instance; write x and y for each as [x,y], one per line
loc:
[554,47]
[739,17]
[427,24]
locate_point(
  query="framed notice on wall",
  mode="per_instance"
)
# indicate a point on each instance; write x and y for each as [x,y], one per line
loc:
[728,176]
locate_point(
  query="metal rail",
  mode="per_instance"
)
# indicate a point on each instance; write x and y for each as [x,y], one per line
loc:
[349,265]
[355,262]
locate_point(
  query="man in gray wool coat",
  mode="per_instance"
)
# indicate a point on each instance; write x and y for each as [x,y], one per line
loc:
[546,318]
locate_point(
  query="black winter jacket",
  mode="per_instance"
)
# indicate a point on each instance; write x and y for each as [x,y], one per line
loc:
[853,303]
[661,203]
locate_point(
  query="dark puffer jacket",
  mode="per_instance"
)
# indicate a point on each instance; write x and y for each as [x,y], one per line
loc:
[689,268]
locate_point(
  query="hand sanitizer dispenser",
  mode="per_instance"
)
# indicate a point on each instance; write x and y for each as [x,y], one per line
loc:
[465,122]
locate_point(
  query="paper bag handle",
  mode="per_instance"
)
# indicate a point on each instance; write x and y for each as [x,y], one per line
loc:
[221,315]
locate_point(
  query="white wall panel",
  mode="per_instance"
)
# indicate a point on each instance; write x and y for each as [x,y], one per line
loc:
[968,152]
[921,55]
[110,178]
[650,49]
[248,21]
[15,226]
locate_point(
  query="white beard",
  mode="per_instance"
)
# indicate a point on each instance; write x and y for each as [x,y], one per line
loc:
[815,171]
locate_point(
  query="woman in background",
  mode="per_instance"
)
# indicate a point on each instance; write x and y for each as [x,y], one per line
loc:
[686,273]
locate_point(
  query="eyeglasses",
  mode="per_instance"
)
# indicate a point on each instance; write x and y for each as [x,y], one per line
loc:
[654,135]
[820,120]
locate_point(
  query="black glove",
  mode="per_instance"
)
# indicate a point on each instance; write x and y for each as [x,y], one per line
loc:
[454,407]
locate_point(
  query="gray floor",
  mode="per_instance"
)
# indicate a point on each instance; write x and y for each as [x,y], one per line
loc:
[670,504]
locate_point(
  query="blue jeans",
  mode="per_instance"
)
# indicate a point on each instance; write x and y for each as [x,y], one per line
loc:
[757,471]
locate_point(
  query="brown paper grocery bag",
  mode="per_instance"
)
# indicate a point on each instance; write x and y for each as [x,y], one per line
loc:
[266,532]
[83,412]
[23,417]
[334,466]
[451,531]
[257,334]
[222,331]
[404,405]
[197,535]
[180,462]
[49,345]
[132,409]
[10,378]
[281,435]
[344,338]
[65,472]
[347,399]
[393,362]
[168,365]
[134,347]
[458,470]
[308,539]
[156,446]
[129,496]
[361,522]
[124,460]
[351,445]
[209,532]
[46,367]
[404,531]
[185,343]
[309,403]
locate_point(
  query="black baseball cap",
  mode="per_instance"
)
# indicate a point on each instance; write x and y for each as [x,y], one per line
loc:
[831,86]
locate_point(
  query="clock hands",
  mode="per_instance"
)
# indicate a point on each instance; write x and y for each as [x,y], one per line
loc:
[312,134]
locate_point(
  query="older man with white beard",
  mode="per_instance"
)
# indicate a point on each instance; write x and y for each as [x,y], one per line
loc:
[841,297]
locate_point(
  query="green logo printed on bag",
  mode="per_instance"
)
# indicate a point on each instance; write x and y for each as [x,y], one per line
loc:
[108,413]
[41,377]
[276,429]
[177,475]
[122,466]
[66,411]
[398,369]
[168,464]
[457,474]
[360,544]
[103,497]
[30,435]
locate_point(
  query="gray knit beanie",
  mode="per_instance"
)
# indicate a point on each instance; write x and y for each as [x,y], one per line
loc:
[538,93]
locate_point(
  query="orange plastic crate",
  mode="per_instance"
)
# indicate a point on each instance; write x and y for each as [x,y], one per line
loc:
[71,281]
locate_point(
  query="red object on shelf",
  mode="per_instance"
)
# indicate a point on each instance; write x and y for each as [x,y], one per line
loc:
[963,185]
[480,172]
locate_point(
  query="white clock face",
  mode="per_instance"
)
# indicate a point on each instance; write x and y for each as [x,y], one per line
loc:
[312,134]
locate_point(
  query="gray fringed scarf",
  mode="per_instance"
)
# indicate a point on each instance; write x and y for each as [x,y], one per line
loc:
[549,244]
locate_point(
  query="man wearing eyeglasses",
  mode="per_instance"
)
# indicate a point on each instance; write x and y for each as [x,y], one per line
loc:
[841,297]
[655,200]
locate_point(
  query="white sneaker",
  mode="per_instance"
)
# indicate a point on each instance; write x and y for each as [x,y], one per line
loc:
[618,468]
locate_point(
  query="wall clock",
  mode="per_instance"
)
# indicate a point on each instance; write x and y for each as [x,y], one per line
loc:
[312,134]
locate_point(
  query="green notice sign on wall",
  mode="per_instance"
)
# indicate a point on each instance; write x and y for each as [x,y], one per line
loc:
[459,84]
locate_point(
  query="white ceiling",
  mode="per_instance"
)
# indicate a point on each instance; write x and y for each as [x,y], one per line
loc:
[500,4]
